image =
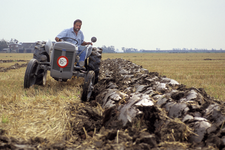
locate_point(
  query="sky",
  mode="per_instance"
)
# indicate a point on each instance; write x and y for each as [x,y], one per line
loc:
[140,24]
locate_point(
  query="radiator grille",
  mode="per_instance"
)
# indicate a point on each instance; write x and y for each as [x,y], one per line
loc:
[57,54]
[69,55]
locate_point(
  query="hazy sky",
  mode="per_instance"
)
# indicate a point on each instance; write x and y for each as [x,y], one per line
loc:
[141,24]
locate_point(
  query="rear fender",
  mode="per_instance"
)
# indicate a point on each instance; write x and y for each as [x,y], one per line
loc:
[89,50]
[48,47]
[42,51]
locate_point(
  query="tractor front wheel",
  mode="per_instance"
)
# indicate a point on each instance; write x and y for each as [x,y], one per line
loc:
[30,77]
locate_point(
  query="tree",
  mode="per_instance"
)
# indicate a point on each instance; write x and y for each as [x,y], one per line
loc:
[124,49]
[13,45]
[109,49]
[3,44]
[129,50]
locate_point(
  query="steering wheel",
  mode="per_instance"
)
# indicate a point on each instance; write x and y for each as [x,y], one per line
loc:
[65,38]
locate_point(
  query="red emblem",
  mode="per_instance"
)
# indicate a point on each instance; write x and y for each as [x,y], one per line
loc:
[62,61]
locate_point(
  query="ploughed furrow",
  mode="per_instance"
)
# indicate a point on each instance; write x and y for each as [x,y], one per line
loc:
[157,111]
[15,66]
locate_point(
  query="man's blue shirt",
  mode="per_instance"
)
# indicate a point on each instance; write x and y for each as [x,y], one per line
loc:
[70,33]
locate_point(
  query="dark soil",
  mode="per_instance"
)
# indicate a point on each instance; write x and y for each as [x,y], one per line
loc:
[132,108]
[8,61]
[15,66]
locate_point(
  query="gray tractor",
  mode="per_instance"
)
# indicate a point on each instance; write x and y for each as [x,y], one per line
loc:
[62,60]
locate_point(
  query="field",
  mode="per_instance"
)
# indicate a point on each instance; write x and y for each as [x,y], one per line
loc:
[45,111]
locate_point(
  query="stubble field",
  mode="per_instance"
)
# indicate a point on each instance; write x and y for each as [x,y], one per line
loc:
[44,111]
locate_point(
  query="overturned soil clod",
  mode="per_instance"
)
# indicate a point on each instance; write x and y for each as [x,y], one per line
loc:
[132,108]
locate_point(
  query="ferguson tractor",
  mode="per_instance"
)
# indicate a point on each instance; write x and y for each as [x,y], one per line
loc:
[62,59]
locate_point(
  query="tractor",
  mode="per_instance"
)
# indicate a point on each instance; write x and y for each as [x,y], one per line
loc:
[62,60]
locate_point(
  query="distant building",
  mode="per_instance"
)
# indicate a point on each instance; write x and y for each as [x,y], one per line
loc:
[5,50]
[13,47]
[26,48]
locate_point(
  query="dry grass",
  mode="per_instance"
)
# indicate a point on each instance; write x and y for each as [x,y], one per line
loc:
[16,56]
[38,111]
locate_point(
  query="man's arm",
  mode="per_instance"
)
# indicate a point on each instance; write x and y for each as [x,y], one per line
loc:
[82,39]
[61,34]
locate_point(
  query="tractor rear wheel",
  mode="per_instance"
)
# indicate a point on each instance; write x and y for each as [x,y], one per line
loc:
[94,62]
[88,86]
[30,77]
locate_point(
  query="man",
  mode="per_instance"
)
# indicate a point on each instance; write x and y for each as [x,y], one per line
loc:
[77,34]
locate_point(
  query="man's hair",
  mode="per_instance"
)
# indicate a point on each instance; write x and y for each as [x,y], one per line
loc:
[78,20]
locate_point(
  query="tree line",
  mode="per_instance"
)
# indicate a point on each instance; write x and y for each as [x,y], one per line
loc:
[111,49]
[106,49]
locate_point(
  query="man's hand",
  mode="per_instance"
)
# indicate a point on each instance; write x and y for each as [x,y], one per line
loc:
[86,43]
[89,43]
[57,39]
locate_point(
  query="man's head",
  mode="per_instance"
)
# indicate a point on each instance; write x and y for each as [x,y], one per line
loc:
[77,25]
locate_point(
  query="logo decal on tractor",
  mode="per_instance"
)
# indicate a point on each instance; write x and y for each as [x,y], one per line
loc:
[62,61]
